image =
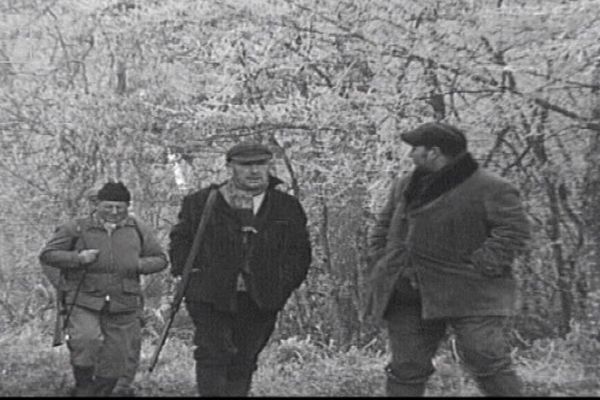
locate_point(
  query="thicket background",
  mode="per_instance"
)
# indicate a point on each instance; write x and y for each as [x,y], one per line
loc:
[153,93]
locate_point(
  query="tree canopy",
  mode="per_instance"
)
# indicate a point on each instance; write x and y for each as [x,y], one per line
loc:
[122,89]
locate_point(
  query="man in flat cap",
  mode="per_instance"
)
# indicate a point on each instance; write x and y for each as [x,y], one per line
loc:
[101,258]
[254,253]
[440,256]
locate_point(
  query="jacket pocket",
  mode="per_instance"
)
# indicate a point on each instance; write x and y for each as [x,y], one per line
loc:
[82,281]
[131,286]
[70,280]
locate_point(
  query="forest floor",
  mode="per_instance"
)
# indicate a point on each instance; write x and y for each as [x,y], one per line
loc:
[29,366]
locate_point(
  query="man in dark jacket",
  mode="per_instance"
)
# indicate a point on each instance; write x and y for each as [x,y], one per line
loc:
[101,258]
[255,252]
[441,255]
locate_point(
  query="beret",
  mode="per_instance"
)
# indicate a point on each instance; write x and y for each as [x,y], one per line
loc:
[114,191]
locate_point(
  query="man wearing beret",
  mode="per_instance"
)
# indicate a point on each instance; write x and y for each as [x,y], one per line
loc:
[440,256]
[255,251]
[101,258]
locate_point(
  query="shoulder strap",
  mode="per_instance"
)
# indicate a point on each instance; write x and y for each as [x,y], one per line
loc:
[78,233]
[204,217]
[138,230]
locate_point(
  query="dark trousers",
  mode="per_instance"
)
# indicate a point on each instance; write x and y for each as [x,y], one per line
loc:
[481,341]
[228,345]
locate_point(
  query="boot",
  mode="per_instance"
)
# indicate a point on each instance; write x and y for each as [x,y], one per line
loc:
[238,387]
[123,392]
[84,381]
[397,389]
[103,387]
[503,384]
[211,380]
[124,388]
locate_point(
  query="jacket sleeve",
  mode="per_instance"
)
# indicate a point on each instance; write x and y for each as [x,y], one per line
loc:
[299,256]
[378,235]
[508,230]
[153,258]
[181,237]
[59,252]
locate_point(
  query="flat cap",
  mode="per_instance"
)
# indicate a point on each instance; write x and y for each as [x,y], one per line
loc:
[247,152]
[448,138]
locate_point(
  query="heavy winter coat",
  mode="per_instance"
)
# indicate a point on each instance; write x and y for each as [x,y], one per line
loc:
[131,250]
[276,256]
[460,236]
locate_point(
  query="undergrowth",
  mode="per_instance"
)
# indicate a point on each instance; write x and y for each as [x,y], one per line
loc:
[296,366]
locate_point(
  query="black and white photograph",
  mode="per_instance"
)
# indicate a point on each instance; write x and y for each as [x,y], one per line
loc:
[299,198]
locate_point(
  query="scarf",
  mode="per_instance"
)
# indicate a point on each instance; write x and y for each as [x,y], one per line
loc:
[425,186]
[240,200]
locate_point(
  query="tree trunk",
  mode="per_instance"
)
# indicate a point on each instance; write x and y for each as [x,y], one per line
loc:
[553,227]
[591,193]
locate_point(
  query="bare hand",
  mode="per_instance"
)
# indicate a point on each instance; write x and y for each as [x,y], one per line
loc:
[88,256]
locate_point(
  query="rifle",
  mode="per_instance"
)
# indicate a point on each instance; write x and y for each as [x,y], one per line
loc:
[62,314]
[182,284]
[70,311]
[59,324]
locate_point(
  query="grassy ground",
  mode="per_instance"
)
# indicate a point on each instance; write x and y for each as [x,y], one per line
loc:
[29,366]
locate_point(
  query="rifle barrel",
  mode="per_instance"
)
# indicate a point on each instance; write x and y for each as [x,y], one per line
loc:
[161,342]
[185,276]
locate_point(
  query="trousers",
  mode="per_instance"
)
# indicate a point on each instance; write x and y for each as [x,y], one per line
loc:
[481,342]
[102,340]
[227,345]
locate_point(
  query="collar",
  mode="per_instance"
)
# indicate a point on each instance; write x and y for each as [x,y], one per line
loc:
[257,201]
[425,187]
[99,223]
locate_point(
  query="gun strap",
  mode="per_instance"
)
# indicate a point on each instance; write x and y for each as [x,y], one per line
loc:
[189,262]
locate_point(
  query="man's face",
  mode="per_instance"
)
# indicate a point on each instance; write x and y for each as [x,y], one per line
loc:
[112,211]
[423,157]
[250,176]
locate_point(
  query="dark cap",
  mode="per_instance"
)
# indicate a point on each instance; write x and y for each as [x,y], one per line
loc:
[449,139]
[247,152]
[114,191]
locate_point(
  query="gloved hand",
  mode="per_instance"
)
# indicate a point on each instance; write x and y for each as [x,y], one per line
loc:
[412,277]
[489,265]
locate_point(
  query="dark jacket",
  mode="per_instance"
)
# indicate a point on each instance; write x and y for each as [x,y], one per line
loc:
[277,256]
[125,254]
[460,242]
